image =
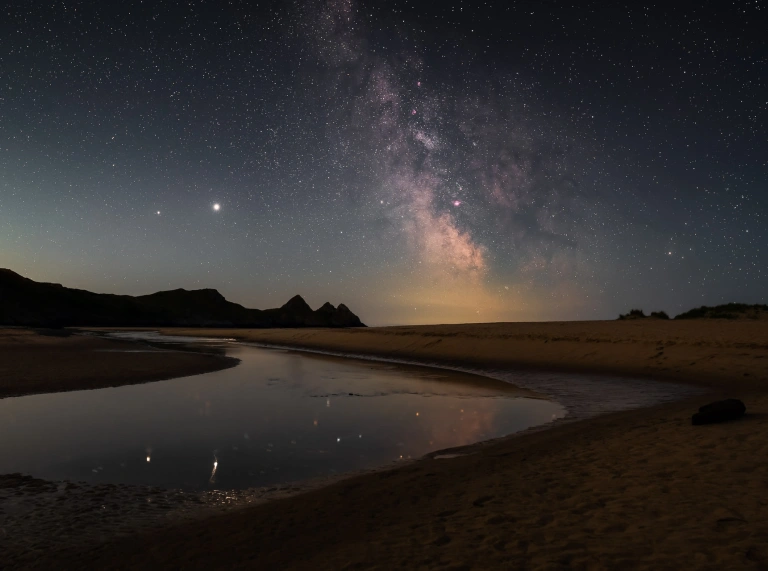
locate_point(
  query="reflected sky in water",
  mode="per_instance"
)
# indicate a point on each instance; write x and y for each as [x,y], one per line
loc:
[277,417]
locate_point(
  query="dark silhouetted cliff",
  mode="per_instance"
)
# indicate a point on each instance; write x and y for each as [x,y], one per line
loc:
[26,302]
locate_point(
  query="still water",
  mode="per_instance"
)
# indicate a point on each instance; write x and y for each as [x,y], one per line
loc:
[277,417]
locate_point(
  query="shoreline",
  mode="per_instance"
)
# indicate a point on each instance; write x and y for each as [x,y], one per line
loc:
[579,400]
[706,353]
[42,361]
[642,489]
[25,497]
[508,503]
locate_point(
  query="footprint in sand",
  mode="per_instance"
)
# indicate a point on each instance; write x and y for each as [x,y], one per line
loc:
[480,502]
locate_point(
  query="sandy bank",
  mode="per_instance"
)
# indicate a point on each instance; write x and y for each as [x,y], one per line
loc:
[711,353]
[634,490]
[33,362]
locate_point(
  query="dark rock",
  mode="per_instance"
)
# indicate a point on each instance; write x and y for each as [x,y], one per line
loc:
[297,305]
[719,411]
[343,317]
[326,308]
[36,304]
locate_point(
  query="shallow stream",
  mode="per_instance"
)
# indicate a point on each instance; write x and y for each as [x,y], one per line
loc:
[277,417]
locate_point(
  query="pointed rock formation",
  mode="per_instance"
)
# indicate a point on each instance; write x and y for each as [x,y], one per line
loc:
[327,308]
[345,318]
[297,304]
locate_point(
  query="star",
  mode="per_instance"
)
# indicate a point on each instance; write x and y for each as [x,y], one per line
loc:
[531,155]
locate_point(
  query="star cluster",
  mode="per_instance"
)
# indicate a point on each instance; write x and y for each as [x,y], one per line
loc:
[461,162]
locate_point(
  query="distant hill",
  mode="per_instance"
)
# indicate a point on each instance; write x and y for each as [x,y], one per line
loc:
[640,314]
[727,311]
[30,303]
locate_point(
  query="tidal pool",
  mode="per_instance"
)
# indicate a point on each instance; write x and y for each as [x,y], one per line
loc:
[277,417]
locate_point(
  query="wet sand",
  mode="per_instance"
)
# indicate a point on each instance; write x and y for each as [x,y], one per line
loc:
[641,489]
[53,360]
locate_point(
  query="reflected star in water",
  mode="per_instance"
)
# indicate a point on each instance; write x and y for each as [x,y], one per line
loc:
[212,479]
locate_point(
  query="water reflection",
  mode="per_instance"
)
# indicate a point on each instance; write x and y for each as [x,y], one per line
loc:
[277,417]
[212,479]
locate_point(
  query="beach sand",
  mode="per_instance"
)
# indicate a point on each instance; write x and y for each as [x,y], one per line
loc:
[704,352]
[641,489]
[48,361]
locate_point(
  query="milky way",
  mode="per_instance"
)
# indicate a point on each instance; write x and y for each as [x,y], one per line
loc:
[460,174]
[455,163]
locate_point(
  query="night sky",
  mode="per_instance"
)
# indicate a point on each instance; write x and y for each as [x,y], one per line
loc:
[420,162]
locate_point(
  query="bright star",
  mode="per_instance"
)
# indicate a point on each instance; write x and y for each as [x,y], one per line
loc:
[217,207]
